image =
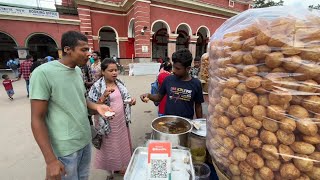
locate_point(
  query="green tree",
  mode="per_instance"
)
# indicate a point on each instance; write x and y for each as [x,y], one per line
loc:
[266,3]
[315,7]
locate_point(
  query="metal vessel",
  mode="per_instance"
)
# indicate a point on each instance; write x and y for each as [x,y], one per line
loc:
[176,140]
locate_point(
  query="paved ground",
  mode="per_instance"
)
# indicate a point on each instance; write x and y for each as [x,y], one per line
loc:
[20,157]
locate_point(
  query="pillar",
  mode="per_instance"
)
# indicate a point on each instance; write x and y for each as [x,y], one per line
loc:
[172,44]
[151,45]
[122,41]
[142,31]
[85,24]
[193,45]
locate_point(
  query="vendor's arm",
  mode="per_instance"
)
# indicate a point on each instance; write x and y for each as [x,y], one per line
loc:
[153,97]
[156,97]
[198,99]
[198,110]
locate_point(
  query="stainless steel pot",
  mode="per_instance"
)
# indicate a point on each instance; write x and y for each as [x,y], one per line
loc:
[175,139]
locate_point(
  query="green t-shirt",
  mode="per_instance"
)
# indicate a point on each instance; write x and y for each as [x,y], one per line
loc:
[67,116]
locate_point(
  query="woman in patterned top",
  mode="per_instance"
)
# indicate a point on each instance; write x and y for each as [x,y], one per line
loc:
[96,66]
[115,150]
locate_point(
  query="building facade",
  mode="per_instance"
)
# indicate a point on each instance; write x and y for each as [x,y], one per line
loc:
[131,30]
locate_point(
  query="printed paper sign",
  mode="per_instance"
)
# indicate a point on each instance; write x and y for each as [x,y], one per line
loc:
[159,160]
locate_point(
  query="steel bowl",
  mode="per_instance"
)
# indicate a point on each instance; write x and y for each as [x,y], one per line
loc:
[176,140]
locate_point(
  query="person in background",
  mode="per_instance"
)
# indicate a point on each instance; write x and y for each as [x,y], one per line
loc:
[36,64]
[194,71]
[7,83]
[96,66]
[88,81]
[59,111]
[115,150]
[48,58]
[160,60]
[115,58]
[184,93]
[166,60]
[167,68]
[25,68]
[14,64]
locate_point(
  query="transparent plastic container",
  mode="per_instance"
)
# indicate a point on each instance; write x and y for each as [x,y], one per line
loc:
[202,171]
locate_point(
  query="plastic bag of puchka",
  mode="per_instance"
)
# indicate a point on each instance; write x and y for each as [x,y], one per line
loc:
[264,95]
[204,71]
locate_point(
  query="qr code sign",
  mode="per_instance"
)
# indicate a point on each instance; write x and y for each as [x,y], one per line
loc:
[159,168]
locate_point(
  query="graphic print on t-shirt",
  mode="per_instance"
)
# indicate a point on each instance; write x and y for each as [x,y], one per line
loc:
[180,94]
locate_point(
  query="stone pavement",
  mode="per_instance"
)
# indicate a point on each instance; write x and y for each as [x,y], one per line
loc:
[20,156]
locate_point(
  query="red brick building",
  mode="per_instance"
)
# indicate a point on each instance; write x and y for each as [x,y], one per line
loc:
[142,30]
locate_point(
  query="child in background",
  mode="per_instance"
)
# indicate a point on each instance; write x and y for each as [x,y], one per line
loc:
[7,83]
[194,71]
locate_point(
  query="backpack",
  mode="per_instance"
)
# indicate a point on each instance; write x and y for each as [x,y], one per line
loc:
[155,90]
[13,65]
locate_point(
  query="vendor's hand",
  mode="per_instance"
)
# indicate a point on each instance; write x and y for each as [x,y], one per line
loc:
[102,109]
[55,170]
[133,101]
[144,98]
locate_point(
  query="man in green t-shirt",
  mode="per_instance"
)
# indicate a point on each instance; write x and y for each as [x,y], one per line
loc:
[59,111]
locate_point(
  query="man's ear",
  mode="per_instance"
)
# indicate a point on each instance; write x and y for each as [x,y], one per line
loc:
[67,49]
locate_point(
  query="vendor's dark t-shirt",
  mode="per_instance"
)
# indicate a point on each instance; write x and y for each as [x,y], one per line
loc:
[181,96]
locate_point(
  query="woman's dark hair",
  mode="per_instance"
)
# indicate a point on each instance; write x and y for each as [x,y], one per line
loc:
[167,66]
[105,63]
[71,39]
[182,56]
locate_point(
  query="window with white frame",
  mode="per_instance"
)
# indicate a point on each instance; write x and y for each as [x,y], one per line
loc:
[231,3]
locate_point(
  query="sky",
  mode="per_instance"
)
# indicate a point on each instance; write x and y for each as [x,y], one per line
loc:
[303,3]
[49,4]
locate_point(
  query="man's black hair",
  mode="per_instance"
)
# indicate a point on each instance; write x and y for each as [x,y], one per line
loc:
[71,39]
[98,53]
[4,76]
[198,58]
[105,63]
[28,56]
[182,56]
